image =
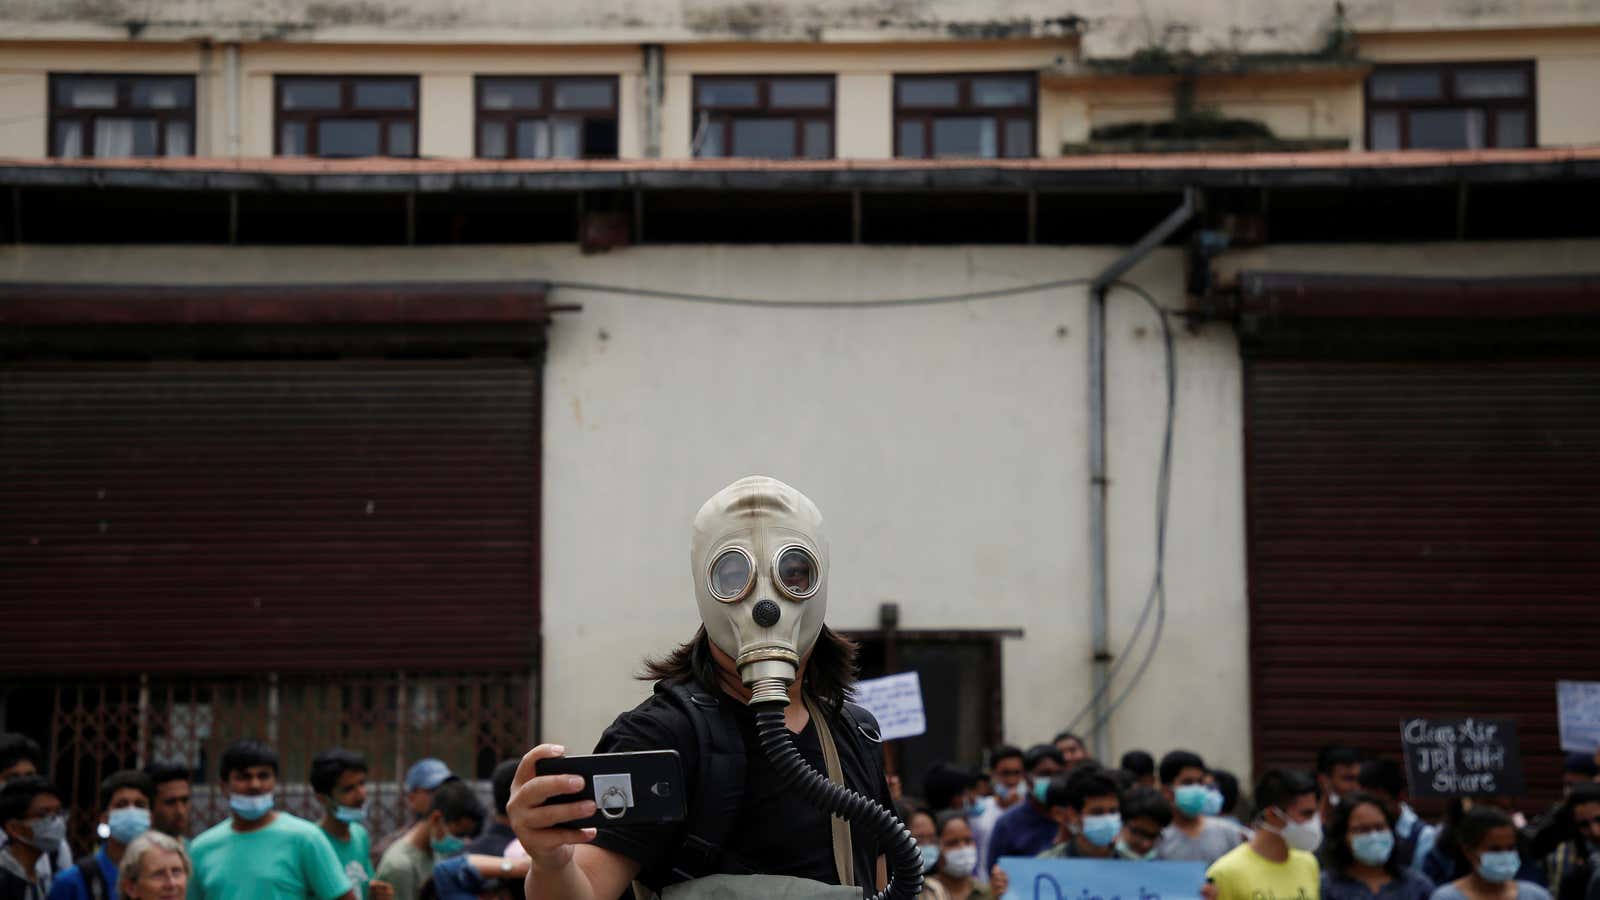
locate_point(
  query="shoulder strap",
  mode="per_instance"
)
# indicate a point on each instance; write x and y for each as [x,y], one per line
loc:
[93,879]
[843,851]
[719,785]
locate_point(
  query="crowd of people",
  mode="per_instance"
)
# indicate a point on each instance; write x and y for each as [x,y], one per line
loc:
[454,848]
[1343,831]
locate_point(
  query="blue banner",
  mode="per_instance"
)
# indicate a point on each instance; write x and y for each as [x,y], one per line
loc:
[1101,879]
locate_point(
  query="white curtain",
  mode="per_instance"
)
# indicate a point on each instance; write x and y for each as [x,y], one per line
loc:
[113,137]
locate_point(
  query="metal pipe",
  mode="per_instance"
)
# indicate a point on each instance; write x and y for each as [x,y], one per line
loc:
[653,88]
[1099,598]
[231,80]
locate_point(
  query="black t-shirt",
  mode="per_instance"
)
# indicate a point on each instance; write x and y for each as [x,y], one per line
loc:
[776,831]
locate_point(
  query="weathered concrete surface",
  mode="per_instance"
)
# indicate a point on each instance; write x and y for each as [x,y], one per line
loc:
[1108,27]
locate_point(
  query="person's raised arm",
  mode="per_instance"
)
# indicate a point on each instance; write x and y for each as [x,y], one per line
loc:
[562,865]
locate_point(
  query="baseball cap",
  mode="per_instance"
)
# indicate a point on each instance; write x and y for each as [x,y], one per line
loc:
[427,774]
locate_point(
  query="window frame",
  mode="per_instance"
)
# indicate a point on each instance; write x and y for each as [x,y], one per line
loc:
[124,109]
[1449,101]
[724,117]
[346,110]
[965,108]
[546,111]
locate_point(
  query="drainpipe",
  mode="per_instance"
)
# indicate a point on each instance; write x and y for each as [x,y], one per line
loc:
[230,77]
[653,87]
[1099,604]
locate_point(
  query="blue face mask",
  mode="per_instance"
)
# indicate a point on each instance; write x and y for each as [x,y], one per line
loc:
[248,807]
[1191,799]
[1500,866]
[1102,831]
[1408,821]
[1372,848]
[1213,805]
[127,823]
[449,845]
[1041,787]
[350,814]
[930,856]
[976,807]
[1126,852]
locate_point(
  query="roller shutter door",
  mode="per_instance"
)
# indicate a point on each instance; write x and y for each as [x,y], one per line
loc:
[1424,540]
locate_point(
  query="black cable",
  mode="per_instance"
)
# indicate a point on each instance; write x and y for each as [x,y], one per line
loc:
[841,305]
[905,863]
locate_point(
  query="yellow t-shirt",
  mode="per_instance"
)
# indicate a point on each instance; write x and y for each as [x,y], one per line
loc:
[1244,874]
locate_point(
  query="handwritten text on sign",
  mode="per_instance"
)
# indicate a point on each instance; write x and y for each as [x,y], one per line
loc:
[1579,706]
[1462,757]
[896,702]
[1101,879]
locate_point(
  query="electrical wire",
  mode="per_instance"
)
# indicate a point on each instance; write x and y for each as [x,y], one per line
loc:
[840,305]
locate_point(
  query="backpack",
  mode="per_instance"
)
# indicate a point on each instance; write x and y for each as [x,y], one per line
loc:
[720,781]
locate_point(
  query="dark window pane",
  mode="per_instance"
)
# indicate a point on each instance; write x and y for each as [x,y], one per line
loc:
[292,138]
[163,93]
[926,92]
[347,137]
[1385,131]
[600,138]
[385,95]
[179,141]
[1447,129]
[727,93]
[965,136]
[1019,138]
[1411,84]
[402,139]
[124,137]
[565,134]
[911,140]
[764,138]
[492,140]
[796,93]
[819,140]
[521,94]
[311,95]
[596,94]
[533,139]
[1478,84]
[86,93]
[1511,129]
[1000,92]
[69,139]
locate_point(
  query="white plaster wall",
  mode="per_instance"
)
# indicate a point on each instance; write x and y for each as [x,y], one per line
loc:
[945,445]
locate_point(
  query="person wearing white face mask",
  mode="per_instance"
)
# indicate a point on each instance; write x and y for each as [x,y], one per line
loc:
[1360,858]
[36,824]
[1277,860]
[1090,812]
[125,799]
[958,859]
[1487,838]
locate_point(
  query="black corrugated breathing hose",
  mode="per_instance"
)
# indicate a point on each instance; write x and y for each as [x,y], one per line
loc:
[905,863]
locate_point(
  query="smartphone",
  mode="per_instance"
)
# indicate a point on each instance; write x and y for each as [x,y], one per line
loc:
[644,788]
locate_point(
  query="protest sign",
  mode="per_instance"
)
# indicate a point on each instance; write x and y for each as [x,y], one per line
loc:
[1101,879]
[1578,703]
[896,702]
[1462,757]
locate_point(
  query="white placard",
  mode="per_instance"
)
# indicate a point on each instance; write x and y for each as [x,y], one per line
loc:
[896,702]
[1578,703]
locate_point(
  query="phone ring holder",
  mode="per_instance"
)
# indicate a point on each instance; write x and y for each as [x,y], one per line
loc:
[613,803]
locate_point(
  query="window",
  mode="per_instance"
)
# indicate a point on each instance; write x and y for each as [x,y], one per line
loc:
[770,117]
[547,118]
[985,116]
[339,116]
[1460,106]
[121,115]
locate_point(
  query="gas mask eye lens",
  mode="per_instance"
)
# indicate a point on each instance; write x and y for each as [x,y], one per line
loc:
[731,574]
[796,572]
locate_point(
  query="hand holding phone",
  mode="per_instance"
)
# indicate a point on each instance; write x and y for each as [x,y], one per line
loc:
[626,788]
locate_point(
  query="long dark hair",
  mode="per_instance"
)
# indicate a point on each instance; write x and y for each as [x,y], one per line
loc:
[1336,854]
[830,671]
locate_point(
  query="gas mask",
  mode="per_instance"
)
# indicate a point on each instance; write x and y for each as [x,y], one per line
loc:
[760,577]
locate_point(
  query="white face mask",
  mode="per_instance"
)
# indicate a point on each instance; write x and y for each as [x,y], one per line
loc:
[961,862]
[761,579]
[1305,835]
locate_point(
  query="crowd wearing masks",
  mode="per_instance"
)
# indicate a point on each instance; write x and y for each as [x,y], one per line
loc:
[454,849]
[1344,830]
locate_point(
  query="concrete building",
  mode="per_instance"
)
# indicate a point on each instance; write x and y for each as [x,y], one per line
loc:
[401,452]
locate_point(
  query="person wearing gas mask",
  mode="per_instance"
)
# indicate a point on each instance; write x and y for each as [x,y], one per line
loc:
[763,662]
[125,799]
[1089,810]
[36,823]
[1277,861]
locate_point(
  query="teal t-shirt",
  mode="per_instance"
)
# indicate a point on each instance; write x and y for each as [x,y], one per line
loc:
[354,855]
[289,859]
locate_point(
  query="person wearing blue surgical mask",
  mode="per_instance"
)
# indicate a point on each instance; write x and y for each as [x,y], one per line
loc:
[456,816]
[1359,858]
[1028,828]
[1193,836]
[35,826]
[923,830]
[1090,815]
[125,799]
[1487,839]
[1008,779]
[339,781]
